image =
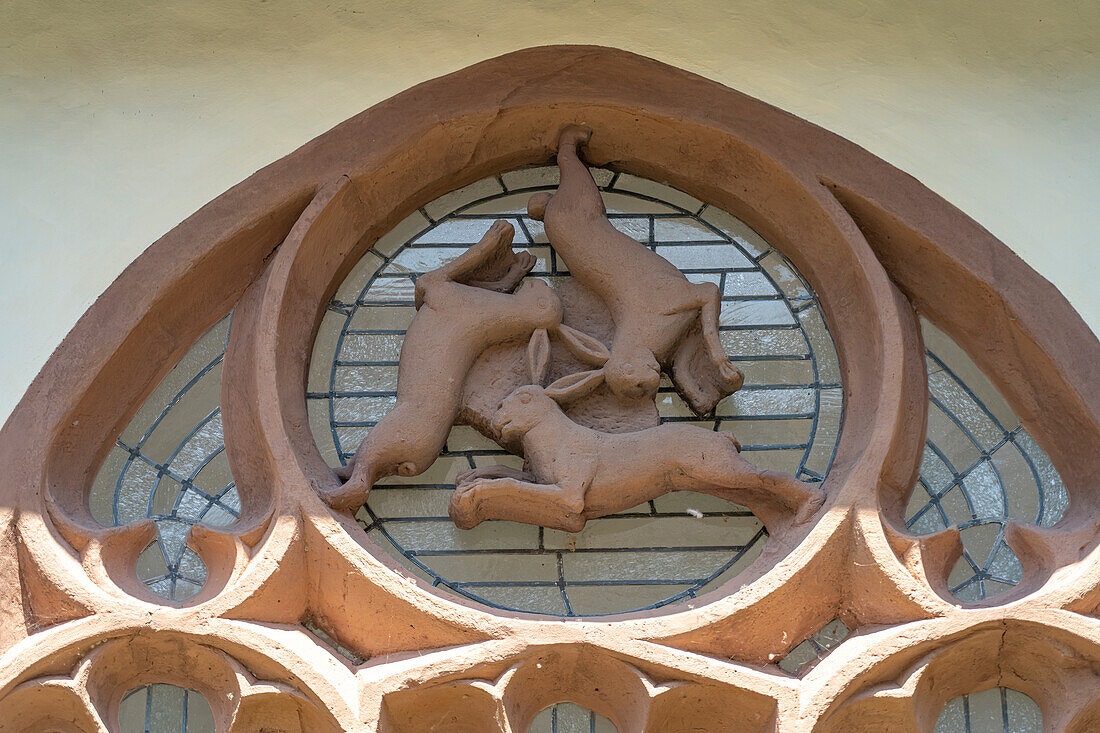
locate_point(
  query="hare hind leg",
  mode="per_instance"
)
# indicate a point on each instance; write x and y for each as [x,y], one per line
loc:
[577,189]
[491,263]
[523,262]
[512,499]
[776,498]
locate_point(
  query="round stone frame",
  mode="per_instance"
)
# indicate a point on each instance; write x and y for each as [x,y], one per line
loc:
[872,242]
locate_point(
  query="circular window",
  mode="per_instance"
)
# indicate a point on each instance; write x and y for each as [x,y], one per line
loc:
[787,415]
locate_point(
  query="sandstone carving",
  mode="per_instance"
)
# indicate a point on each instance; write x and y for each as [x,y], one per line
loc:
[72,644]
[662,321]
[462,308]
[574,473]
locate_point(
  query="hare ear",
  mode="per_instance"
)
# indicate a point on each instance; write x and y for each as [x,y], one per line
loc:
[574,386]
[538,355]
[586,348]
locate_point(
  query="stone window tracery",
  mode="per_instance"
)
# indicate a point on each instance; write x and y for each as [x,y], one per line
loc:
[994,710]
[569,718]
[787,415]
[168,517]
[980,467]
[165,709]
[170,465]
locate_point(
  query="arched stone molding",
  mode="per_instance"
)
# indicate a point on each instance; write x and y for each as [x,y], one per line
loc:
[872,242]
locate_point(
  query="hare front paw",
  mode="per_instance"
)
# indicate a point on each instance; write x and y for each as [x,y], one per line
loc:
[731,377]
[525,261]
[465,477]
[464,503]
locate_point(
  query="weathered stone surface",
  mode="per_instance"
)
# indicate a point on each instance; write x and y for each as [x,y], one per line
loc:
[77,630]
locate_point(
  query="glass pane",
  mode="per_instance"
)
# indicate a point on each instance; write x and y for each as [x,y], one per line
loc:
[787,416]
[803,657]
[980,468]
[567,717]
[999,710]
[169,464]
[165,709]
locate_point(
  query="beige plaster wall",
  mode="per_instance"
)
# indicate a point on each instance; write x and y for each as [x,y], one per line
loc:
[119,119]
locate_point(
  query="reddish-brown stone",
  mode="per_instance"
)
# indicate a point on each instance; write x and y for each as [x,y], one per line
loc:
[860,231]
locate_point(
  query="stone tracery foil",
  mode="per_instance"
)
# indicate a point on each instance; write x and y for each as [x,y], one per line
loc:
[787,415]
[83,630]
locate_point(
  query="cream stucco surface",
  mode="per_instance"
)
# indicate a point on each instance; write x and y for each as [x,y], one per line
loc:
[118,120]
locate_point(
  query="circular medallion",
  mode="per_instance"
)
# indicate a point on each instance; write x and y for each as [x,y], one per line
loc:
[786,416]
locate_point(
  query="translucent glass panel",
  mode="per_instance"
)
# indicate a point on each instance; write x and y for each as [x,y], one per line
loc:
[165,709]
[787,416]
[803,657]
[170,464]
[343,651]
[980,468]
[565,717]
[999,710]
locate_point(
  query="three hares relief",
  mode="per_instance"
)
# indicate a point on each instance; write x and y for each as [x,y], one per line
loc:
[484,342]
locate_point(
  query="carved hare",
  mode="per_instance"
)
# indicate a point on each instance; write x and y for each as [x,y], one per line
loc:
[454,323]
[573,474]
[662,321]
